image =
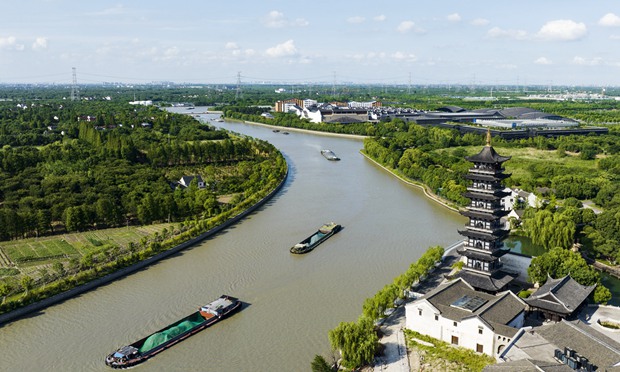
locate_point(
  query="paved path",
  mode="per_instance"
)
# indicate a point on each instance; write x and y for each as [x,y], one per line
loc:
[590,314]
[394,358]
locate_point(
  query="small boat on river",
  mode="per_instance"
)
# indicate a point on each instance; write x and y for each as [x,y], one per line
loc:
[151,345]
[329,155]
[315,239]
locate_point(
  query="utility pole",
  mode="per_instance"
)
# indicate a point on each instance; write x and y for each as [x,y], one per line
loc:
[75,91]
[334,85]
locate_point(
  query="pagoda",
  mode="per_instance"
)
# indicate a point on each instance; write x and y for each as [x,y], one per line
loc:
[483,247]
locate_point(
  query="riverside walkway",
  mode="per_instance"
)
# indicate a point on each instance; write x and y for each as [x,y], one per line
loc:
[395,358]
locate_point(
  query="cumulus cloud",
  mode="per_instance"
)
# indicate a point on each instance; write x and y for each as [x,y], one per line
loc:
[285,49]
[408,57]
[380,18]
[480,22]
[10,42]
[543,61]
[498,33]
[356,19]
[454,17]
[577,60]
[562,30]
[609,20]
[405,26]
[275,19]
[39,43]
[231,45]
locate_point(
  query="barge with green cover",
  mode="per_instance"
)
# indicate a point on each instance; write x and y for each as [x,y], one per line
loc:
[141,350]
[315,239]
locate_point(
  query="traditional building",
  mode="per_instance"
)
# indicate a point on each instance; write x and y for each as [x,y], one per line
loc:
[559,299]
[483,247]
[456,313]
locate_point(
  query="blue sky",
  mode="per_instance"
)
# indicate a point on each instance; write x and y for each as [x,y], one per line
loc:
[370,42]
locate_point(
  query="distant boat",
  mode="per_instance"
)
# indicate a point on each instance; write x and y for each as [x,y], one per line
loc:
[285,133]
[329,155]
[276,130]
[315,239]
[141,350]
[219,120]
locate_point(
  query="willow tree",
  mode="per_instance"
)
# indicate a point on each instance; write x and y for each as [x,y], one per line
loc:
[550,230]
[357,342]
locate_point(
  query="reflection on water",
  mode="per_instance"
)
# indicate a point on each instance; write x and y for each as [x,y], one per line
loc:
[523,245]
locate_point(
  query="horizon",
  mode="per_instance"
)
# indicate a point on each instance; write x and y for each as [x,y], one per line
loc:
[528,43]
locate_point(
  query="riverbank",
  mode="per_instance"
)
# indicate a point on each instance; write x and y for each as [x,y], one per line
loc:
[434,197]
[93,284]
[291,129]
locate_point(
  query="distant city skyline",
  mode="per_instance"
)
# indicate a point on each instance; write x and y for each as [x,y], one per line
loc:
[420,43]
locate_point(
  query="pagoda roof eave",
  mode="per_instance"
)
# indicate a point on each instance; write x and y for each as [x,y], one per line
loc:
[487,155]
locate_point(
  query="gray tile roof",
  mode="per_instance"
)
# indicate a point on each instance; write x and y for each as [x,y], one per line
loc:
[497,312]
[563,295]
[487,155]
[585,340]
[487,283]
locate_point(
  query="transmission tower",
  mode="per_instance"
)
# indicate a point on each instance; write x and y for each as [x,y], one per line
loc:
[238,91]
[409,86]
[75,91]
[334,85]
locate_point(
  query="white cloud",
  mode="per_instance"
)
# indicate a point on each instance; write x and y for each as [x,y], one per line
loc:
[480,22]
[563,30]
[614,37]
[408,57]
[609,20]
[380,18]
[231,45]
[277,19]
[10,42]
[356,19]
[114,11]
[300,22]
[587,61]
[543,61]
[454,17]
[498,33]
[39,43]
[405,26]
[287,48]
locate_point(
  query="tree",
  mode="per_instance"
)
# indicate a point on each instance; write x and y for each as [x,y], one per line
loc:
[319,364]
[357,342]
[601,294]
[5,289]
[26,282]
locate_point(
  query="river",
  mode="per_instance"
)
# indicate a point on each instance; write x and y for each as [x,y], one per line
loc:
[294,300]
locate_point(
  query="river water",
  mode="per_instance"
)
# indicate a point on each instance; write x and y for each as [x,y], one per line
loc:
[294,300]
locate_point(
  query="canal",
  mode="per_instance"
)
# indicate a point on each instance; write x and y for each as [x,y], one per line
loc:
[294,300]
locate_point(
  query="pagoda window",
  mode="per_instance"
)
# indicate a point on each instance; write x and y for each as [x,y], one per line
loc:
[477,265]
[479,245]
[485,267]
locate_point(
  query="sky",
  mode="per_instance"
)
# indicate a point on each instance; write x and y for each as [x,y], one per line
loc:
[481,42]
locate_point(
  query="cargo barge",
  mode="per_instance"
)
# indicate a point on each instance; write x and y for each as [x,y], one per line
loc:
[315,239]
[329,155]
[151,345]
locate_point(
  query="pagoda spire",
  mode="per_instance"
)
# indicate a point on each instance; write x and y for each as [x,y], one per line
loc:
[488,137]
